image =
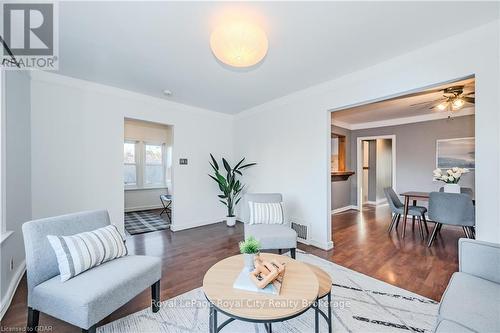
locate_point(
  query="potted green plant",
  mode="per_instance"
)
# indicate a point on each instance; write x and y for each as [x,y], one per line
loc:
[250,247]
[229,185]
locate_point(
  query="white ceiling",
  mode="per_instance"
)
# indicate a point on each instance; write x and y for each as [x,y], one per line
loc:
[151,46]
[402,106]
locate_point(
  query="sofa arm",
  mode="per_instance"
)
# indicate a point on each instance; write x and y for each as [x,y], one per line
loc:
[481,259]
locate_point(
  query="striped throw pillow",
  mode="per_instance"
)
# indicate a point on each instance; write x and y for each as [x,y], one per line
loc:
[266,213]
[80,252]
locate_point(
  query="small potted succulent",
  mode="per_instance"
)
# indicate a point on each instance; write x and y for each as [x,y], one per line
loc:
[450,177]
[250,248]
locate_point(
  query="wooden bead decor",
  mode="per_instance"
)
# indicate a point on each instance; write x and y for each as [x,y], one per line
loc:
[267,272]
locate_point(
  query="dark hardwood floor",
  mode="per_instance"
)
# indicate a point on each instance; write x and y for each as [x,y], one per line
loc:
[361,243]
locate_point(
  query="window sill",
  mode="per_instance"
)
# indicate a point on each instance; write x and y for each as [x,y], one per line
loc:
[5,235]
[145,188]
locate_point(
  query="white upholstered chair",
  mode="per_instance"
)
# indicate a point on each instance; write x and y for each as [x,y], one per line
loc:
[271,236]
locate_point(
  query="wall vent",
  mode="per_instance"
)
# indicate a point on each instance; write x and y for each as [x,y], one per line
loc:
[302,230]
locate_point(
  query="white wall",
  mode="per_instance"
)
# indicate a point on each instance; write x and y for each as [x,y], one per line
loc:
[77,149]
[290,136]
[17,180]
[149,198]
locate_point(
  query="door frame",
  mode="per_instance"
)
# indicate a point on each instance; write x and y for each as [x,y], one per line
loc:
[359,163]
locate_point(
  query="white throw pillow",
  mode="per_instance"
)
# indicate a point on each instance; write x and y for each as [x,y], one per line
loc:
[80,252]
[266,212]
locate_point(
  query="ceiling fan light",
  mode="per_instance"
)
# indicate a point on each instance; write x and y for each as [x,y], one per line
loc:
[458,103]
[442,106]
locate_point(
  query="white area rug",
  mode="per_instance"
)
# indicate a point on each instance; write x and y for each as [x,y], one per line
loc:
[360,304]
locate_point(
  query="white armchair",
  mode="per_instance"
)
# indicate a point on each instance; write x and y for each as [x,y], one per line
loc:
[271,236]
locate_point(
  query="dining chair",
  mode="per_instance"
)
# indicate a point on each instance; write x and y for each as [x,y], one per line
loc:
[463,190]
[451,209]
[397,209]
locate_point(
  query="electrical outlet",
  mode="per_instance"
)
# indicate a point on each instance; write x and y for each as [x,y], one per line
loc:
[183,161]
[11,263]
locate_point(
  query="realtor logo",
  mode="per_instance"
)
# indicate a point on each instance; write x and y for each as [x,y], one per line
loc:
[29,36]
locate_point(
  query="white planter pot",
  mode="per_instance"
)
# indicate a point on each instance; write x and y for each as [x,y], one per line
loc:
[452,188]
[231,221]
[249,261]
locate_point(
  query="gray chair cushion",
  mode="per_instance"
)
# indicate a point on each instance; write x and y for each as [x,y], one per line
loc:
[472,302]
[412,210]
[447,326]
[272,236]
[91,296]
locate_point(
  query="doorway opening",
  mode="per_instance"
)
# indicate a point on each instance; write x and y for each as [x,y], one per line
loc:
[147,176]
[432,130]
[376,165]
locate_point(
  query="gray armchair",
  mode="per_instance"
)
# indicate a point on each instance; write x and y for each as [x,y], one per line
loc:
[89,297]
[271,236]
[451,209]
[471,301]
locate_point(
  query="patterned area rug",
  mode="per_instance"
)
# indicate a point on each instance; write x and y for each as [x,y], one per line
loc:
[144,221]
[360,304]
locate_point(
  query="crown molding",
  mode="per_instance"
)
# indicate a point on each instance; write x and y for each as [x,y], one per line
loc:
[402,121]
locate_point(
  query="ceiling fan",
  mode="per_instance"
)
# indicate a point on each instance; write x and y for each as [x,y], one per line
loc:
[453,99]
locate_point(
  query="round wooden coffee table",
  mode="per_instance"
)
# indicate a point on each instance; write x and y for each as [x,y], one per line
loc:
[299,292]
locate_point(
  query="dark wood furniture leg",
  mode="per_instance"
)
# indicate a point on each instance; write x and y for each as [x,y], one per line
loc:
[413,216]
[292,253]
[155,297]
[397,222]
[420,227]
[33,317]
[405,217]
[425,223]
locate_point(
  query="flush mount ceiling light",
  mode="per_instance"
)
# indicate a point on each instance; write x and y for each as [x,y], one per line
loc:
[239,43]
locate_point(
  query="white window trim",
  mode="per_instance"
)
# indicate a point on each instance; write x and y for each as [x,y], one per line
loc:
[140,163]
[136,152]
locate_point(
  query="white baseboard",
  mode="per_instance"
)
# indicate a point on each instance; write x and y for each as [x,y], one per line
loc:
[343,209]
[321,245]
[381,202]
[135,209]
[176,227]
[374,203]
[11,290]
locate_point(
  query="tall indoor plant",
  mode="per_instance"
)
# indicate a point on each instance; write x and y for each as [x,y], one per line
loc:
[229,185]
